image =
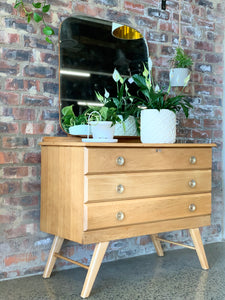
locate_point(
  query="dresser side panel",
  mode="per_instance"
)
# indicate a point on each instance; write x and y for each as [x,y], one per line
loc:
[62,191]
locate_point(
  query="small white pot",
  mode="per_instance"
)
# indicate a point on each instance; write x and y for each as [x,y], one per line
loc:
[178,76]
[79,130]
[129,127]
[102,129]
[158,126]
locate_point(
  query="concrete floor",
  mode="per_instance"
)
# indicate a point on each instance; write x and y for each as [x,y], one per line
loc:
[177,275]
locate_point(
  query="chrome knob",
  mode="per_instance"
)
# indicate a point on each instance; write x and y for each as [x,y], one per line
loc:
[192,183]
[193,160]
[120,188]
[192,207]
[120,160]
[120,216]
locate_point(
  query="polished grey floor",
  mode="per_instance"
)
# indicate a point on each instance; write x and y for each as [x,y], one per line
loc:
[177,275]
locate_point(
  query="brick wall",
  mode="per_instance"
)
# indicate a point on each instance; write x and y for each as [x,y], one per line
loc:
[29,111]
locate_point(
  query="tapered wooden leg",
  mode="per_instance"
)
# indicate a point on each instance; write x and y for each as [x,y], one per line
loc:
[157,244]
[196,237]
[95,264]
[56,246]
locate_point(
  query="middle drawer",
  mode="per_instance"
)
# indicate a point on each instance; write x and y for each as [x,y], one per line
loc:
[149,184]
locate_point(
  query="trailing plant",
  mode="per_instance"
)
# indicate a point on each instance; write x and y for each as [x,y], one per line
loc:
[31,14]
[155,98]
[181,60]
[98,113]
[69,119]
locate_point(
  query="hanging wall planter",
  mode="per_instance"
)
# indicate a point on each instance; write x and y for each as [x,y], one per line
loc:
[158,126]
[179,76]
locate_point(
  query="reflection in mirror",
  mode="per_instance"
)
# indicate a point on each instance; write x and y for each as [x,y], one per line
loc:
[89,53]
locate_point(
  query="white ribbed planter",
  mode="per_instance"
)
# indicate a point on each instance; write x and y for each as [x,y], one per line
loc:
[102,129]
[178,76]
[158,126]
[129,126]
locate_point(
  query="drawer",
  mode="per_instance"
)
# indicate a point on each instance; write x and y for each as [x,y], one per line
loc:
[148,184]
[103,160]
[119,213]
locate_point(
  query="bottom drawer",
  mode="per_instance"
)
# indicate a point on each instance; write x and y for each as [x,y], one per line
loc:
[119,213]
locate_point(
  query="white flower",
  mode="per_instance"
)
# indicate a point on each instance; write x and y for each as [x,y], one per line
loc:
[157,89]
[106,95]
[116,76]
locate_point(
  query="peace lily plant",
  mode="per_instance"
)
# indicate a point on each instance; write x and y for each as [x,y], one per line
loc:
[158,119]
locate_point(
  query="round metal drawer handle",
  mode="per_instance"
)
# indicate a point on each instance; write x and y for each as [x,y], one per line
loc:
[120,161]
[193,160]
[120,216]
[192,183]
[192,207]
[120,188]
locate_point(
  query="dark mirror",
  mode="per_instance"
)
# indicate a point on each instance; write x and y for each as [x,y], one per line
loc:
[89,53]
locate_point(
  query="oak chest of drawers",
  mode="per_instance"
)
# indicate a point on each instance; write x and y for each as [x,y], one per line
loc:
[98,192]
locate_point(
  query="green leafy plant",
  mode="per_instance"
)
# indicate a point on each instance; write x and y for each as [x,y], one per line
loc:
[31,14]
[123,102]
[181,60]
[155,98]
[69,119]
[98,113]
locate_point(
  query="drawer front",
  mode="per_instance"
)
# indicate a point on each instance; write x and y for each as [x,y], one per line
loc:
[103,160]
[149,184]
[120,213]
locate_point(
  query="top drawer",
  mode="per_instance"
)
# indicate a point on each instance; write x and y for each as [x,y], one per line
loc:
[103,160]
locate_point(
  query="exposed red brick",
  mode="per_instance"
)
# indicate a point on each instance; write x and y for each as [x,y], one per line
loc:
[8,157]
[9,98]
[137,8]
[19,258]
[16,172]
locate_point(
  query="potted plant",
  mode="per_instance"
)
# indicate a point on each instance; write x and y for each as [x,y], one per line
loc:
[123,102]
[180,72]
[158,119]
[102,121]
[75,125]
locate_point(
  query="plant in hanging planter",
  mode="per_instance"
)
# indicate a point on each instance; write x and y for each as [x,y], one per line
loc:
[158,119]
[124,104]
[181,64]
[32,14]
[75,125]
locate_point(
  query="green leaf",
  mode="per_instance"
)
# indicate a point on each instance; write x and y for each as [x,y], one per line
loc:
[36,5]
[48,40]
[48,30]
[17,4]
[37,17]
[45,8]
[28,18]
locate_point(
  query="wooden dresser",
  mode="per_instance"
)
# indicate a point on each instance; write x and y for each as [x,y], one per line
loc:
[98,192]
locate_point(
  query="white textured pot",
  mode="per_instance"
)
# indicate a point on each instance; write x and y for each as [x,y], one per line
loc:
[158,126]
[178,76]
[79,130]
[129,127]
[102,129]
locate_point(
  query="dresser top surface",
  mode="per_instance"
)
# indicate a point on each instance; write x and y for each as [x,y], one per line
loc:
[73,142]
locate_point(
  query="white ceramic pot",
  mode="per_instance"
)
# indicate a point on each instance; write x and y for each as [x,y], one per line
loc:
[158,126]
[79,130]
[178,76]
[102,129]
[126,128]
